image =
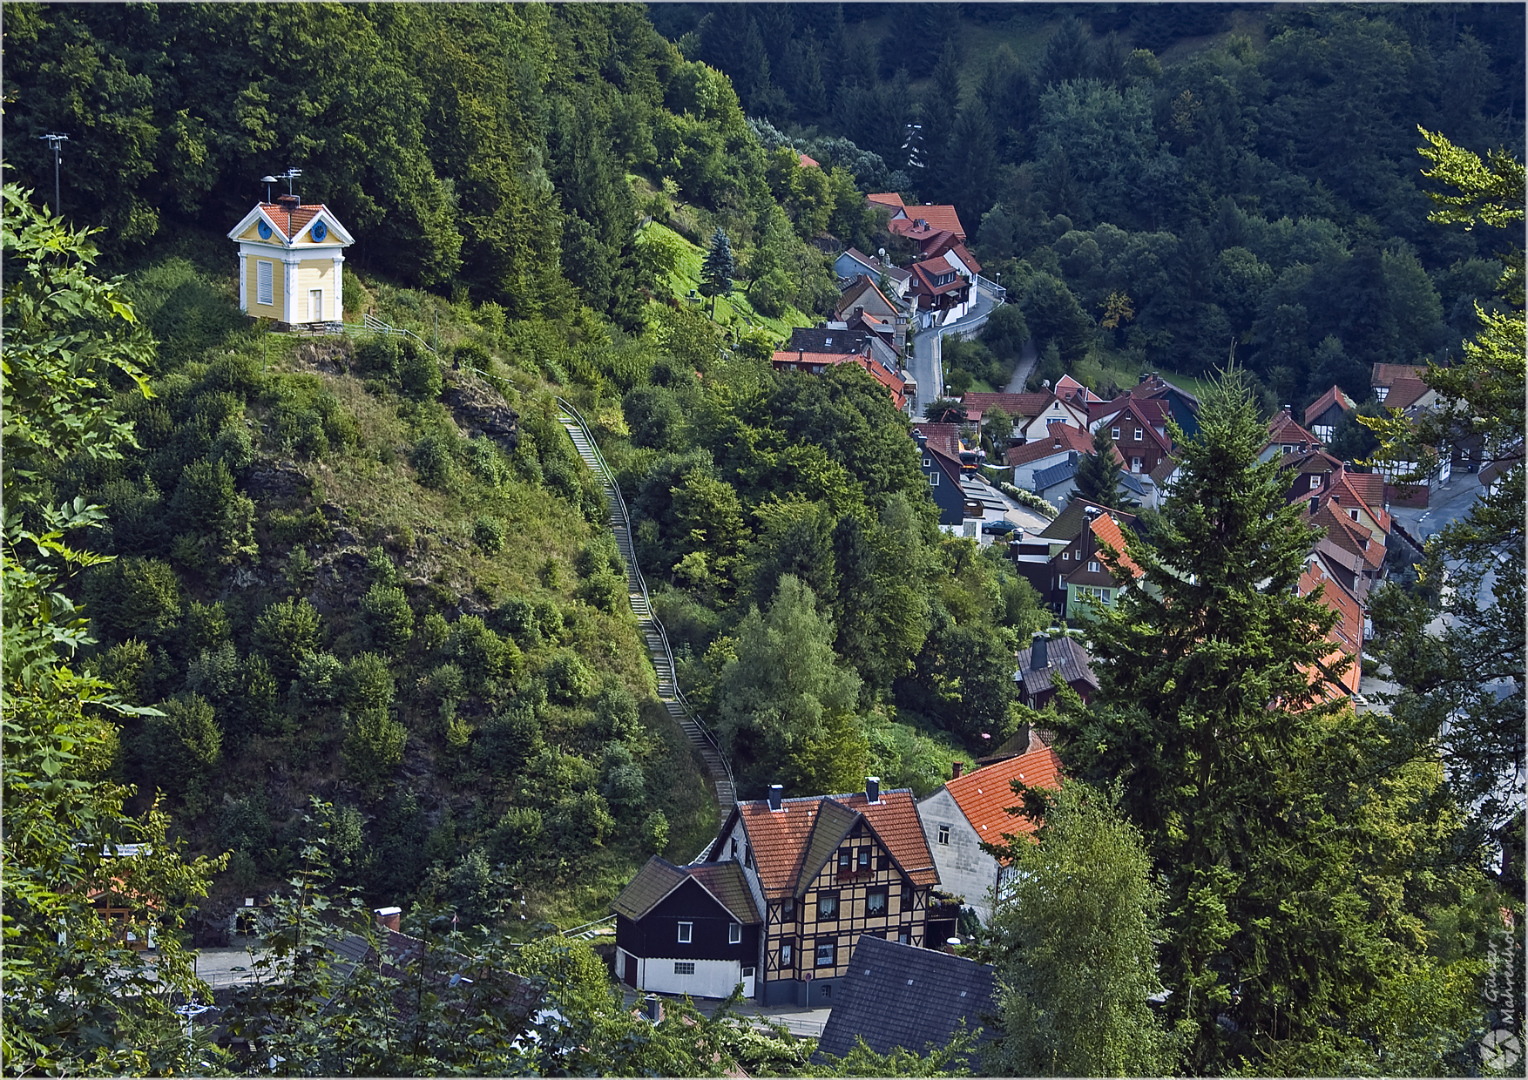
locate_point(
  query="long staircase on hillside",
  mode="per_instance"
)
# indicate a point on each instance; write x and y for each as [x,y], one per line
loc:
[652,630]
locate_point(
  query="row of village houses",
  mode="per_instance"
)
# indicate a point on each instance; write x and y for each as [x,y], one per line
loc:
[793,892]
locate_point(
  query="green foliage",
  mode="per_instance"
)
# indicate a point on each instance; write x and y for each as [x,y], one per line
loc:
[388,618]
[719,269]
[784,699]
[67,333]
[419,372]
[373,746]
[1081,888]
[134,598]
[178,751]
[1098,474]
[488,534]
[284,633]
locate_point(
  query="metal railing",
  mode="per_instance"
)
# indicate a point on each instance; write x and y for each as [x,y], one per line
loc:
[630,556]
[377,326]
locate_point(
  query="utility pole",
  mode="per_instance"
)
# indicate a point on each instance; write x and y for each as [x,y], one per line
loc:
[55,142]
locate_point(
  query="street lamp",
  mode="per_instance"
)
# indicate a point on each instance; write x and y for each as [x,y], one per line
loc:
[55,142]
[189,1012]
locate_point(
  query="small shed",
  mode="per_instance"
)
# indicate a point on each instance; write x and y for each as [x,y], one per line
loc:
[290,259]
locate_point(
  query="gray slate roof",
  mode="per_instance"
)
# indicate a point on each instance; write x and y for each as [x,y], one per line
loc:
[1056,474]
[1062,654]
[902,995]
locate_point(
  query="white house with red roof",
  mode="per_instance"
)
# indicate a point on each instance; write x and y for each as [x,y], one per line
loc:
[972,809]
[290,259]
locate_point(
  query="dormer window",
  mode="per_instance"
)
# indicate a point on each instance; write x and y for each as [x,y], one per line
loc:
[1315,482]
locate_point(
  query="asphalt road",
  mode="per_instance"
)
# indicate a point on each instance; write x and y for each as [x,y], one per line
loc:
[927,366]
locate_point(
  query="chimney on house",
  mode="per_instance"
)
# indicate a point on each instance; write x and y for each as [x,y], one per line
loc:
[389,917]
[956,769]
[775,791]
[1315,504]
[1039,659]
[872,789]
[289,203]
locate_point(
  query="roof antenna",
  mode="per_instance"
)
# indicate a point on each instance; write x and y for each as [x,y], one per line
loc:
[268,181]
[290,175]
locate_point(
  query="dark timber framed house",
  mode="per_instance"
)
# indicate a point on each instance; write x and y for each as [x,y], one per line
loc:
[829,868]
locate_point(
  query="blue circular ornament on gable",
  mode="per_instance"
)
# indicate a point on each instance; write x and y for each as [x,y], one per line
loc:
[320,230]
[263,229]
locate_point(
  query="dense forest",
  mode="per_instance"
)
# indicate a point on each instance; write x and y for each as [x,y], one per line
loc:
[372,570]
[1164,184]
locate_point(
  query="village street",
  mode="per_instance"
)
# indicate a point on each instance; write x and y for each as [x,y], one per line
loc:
[927,365]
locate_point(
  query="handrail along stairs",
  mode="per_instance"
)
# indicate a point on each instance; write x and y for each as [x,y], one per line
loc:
[668,654]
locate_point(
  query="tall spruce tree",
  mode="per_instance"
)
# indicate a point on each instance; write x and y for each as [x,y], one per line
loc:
[1099,473]
[1254,788]
[719,269]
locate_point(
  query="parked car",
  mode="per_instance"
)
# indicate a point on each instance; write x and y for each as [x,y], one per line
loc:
[999,527]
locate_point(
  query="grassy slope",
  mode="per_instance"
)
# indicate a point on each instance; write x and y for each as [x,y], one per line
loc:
[379,501]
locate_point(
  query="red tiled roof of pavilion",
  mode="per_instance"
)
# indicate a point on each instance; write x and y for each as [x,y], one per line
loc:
[299,217]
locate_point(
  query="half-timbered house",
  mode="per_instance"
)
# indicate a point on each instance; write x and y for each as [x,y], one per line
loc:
[828,869]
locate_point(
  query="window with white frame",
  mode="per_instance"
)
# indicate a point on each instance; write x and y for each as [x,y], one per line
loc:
[826,951]
[684,967]
[734,934]
[1353,514]
[686,932]
[1315,482]
[265,277]
[1114,433]
[1137,434]
[944,834]
[785,956]
[933,479]
[1093,565]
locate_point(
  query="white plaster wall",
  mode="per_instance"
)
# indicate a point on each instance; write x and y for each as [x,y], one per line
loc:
[964,868]
[712,978]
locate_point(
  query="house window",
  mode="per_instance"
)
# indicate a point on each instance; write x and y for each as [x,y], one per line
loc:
[265,289]
[907,897]
[864,859]
[734,847]
[1093,565]
[1106,596]
[785,956]
[1065,556]
[1315,482]
[1137,434]
[944,834]
[902,936]
[1286,448]
[845,861]
[1353,514]
[933,479]
[1114,433]
[735,934]
[827,905]
[883,861]
[790,907]
[928,463]
[827,991]
[684,967]
[875,901]
[825,953]
[686,932]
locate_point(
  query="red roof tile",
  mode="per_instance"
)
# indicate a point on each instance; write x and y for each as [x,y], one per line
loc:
[985,795]
[1349,535]
[1386,374]
[780,839]
[938,217]
[1069,389]
[806,162]
[1058,440]
[1283,428]
[1346,636]
[1334,396]
[1405,392]
[945,437]
[888,199]
[1107,530]
[299,217]
[1026,404]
